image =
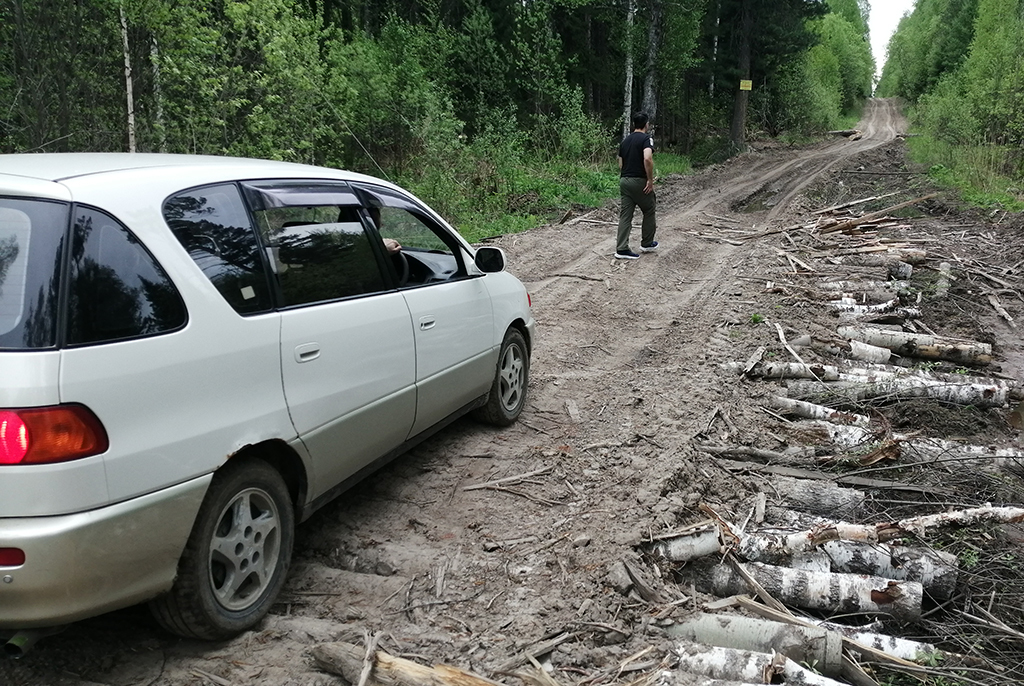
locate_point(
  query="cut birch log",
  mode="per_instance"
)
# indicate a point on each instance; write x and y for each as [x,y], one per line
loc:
[346,660]
[813,411]
[832,592]
[865,286]
[746,666]
[935,570]
[818,497]
[689,547]
[819,647]
[919,345]
[678,678]
[894,308]
[784,370]
[854,349]
[942,283]
[799,456]
[884,532]
[853,391]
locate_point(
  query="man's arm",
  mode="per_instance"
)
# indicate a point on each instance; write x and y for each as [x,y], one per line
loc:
[649,168]
[620,163]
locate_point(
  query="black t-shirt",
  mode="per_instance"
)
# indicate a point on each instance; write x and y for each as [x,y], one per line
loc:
[631,150]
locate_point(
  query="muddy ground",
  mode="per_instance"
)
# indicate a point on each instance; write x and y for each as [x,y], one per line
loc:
[626,378]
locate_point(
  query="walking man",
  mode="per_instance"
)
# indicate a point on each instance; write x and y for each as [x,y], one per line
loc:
[636,187]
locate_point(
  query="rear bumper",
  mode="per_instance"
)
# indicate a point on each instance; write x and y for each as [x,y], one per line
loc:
[84,564]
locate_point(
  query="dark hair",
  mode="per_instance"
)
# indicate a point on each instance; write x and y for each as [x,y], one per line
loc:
[640,120]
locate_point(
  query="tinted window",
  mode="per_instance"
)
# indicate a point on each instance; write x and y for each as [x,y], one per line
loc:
[213,226]
[116,289]
[319,253]
[31,245]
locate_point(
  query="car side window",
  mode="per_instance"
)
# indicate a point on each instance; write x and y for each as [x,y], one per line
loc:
[319,253]
[212,224]
[116,288]
[432,253]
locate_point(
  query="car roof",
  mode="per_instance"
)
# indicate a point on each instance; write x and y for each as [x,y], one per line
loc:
[63,166]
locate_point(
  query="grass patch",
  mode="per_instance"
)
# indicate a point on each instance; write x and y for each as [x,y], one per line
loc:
[485,196]
[978,172]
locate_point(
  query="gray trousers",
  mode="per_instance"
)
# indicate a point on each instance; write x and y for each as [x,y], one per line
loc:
[632,194]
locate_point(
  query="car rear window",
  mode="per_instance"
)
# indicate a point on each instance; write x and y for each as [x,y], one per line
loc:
[31,249]
[116,289]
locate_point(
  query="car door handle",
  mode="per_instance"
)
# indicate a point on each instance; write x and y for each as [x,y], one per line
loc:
[427,323]
[307,352]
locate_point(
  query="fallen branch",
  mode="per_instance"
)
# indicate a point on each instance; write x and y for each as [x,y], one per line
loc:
[508,479]
[346,660]
[881,213]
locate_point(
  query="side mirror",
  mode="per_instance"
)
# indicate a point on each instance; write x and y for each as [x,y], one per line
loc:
[490,260]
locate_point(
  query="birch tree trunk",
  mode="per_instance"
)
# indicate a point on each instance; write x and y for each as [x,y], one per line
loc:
[128,80]
[627,95]
[158,98]
[650,103]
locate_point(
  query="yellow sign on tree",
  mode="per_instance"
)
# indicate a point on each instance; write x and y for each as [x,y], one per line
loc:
[746,85]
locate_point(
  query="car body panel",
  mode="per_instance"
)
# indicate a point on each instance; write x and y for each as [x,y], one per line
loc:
[82,564]
[355,389]
[455,348]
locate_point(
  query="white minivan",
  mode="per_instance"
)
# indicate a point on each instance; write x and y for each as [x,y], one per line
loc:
[198,352]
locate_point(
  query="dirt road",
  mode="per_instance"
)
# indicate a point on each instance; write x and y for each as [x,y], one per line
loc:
[625,374]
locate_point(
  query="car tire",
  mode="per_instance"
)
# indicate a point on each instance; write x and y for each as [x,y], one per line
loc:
[508,391]
[237,556]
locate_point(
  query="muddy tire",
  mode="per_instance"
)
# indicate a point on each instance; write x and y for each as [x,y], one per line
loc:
[236,558]
[508,391]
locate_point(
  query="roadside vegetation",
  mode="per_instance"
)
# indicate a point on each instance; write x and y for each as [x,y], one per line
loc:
[959,64]
[499,113]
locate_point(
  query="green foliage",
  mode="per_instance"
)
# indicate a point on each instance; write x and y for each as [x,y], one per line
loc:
[972,170]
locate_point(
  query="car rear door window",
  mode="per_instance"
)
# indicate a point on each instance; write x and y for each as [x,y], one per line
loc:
[211,223]
[318,247]
[116,289]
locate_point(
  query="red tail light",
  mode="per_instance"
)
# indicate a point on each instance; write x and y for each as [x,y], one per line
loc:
[42,435]
[12,557]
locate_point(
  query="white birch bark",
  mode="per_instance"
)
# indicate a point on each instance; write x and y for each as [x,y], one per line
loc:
[813,411]
[817,646]
[627,97]
[128,80]
[745,666]
[832,592]
[921,345]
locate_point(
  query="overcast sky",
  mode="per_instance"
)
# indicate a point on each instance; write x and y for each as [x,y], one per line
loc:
[885,16]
